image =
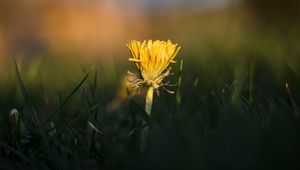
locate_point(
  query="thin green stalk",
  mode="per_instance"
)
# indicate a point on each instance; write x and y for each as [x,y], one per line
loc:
[25,94]
[68,98]
[251,83]
[295,108]
[148,108]
[178,94]
[149,100]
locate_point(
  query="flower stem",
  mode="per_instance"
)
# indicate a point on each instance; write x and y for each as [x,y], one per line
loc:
[148,108]
[149,100]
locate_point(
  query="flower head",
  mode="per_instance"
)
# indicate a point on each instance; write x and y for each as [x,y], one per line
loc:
[152,59]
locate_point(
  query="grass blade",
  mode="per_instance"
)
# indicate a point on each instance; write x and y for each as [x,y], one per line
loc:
[17,153]
[26,96]
[69,97]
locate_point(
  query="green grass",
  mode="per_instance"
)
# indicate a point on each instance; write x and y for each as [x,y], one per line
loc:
[231,110]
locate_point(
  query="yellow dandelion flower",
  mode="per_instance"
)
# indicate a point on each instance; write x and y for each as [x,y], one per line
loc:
[152,59]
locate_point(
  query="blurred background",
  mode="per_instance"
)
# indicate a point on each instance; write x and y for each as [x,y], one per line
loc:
[96,31]
[93,29]
[218,37]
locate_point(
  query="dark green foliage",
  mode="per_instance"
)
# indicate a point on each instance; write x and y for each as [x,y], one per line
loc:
[237,114]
